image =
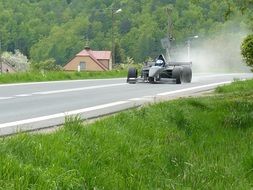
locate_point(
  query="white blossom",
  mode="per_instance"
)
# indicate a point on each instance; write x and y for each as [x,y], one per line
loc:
[17,60]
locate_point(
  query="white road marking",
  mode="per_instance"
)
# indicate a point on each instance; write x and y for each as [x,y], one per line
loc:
[207,75]
[64,90]
[23,95]
[58,115]
[148,96]
[144,98]
[135,99]
[61,81]
[5,98]
[78,89]
[193,88]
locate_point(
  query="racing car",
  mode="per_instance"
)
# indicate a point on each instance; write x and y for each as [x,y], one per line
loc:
[160,70]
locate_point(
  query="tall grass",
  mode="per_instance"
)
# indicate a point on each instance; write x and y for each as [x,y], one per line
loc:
[196,143]
[237,87]
[60,75]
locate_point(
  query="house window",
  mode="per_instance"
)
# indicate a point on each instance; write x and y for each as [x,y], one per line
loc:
[82,66]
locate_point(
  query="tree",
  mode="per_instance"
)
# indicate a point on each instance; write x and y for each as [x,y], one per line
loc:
[17,60]
[47,65]
[119,54]
[247,50]
[125,26]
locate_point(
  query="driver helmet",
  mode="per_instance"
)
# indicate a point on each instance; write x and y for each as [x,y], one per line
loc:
[159,62]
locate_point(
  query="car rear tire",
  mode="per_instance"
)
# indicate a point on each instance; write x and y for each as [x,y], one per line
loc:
[132,75]
[177,74]
[187,74]
[151,79]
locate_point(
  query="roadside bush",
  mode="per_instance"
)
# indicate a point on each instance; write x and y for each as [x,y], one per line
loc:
[17,60]
[47,65]
[247,50]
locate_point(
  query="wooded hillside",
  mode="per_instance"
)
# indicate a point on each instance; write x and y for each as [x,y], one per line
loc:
[44,29]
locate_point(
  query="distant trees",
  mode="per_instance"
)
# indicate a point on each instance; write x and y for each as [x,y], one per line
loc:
[62,43]
[47,29]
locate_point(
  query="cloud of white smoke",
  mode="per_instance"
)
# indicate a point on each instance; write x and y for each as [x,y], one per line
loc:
[218,53]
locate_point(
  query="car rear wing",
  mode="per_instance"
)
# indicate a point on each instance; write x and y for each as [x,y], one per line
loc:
[171,63]
[176,63]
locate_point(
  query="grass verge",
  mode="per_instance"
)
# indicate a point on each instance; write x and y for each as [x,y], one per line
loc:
[61,75]
[195,143]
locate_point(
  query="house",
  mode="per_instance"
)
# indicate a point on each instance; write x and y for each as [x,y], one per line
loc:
[89,60]
[6,68]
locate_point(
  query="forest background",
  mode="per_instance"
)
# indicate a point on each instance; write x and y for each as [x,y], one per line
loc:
[45,30]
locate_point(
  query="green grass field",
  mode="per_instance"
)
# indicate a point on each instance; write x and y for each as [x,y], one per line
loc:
[195,143]
[60,75]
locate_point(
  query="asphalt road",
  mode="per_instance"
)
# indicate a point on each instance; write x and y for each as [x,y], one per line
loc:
[38,105]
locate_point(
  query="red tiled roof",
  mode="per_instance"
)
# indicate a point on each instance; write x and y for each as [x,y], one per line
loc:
[102,54]
[96,55]
[83,53]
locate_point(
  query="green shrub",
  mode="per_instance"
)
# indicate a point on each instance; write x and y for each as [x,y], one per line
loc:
[247,50]
[47,65]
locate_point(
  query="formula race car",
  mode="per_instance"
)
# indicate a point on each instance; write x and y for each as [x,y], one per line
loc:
[161,71]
